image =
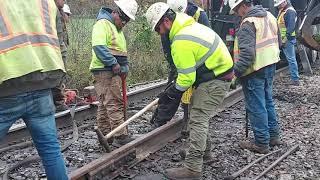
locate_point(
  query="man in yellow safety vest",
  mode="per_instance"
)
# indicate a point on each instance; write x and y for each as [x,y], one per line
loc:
[203,62]
[30,65]
[109,62]
[256,52]
[287,19]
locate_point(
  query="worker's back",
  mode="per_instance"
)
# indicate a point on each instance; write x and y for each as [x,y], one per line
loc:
[30,57]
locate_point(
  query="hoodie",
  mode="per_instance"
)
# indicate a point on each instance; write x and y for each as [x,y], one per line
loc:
[246,35]
[102,52]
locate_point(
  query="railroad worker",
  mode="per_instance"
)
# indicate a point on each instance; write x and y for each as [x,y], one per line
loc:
[30,65]
[109,62]
[58,92]
[67,12]
[201,17]
[256,52]
[202,61]
[287,19]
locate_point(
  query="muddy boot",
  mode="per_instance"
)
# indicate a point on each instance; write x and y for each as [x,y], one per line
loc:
[275,142]
[182,173]
[123,139]
[253,147]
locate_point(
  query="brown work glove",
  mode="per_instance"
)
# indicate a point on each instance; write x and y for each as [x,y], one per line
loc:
[116,69]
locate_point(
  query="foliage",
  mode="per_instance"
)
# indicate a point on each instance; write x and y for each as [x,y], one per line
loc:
[144,48]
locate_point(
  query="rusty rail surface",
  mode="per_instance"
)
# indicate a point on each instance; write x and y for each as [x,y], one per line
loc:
[110,165]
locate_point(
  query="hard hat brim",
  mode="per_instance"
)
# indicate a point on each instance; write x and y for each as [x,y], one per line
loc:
[278,4]
[119,4]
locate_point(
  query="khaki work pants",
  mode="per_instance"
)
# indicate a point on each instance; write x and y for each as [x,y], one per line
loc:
[110,109]
[204,103]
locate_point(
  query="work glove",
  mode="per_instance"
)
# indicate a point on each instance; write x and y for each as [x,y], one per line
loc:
[168,105]
[234,83]
[124,70]
[116,69]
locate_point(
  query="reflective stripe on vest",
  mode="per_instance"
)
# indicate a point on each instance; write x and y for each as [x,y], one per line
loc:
[3,28]
[25,39]
[46,17]
[211,46]
[196,15]
[282,24]
[28,38]
[267,47]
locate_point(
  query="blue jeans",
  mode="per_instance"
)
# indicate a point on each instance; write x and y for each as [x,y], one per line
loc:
[260,106]
[289,51]
[37,110]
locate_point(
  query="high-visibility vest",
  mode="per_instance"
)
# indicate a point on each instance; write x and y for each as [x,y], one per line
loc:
[267,45]
[28,38]
[196,15]
[194,45]
[282,24]
[115,41]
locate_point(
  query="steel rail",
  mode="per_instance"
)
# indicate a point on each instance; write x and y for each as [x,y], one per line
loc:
[110,165]
[19,132]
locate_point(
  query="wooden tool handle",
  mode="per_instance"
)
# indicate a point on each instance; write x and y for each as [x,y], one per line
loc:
[138,114]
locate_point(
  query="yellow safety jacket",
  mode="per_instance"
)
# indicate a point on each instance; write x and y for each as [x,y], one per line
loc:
[267,45]
[194,45]
[106,33]
[28,38]
[282,24]
[196,15]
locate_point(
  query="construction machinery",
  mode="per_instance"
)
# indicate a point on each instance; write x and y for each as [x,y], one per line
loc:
[307,28]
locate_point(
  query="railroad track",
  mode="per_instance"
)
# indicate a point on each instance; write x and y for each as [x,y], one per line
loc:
[110,165]
[19,133]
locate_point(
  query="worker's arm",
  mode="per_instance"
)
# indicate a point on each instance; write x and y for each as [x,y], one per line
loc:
[290,21]
[247,46]
[100,34]
[203,19]
[167,53]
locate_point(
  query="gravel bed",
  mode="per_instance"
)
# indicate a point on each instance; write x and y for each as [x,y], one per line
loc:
[299,113]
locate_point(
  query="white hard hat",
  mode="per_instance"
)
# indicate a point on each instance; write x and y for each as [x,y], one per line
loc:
[278,2]
[234,3]
[178,5]
[155,13]
[129,7]
[66,9]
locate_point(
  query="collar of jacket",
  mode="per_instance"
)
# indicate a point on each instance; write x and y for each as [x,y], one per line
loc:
[182,20]
[105,13]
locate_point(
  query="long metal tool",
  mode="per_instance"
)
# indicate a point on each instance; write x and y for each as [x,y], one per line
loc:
[293,149]
[236,174]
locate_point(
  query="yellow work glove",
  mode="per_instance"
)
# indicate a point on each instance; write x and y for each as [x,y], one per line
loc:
[186,96]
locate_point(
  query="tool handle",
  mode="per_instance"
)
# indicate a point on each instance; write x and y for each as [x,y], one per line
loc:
[138,114]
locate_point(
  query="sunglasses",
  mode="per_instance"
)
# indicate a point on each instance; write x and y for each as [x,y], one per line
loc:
[123,16]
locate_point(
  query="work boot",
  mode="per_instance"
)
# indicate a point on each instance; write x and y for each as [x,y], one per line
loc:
[207,157]
[275,142]
[253,147]
[182,173]
[123,139]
